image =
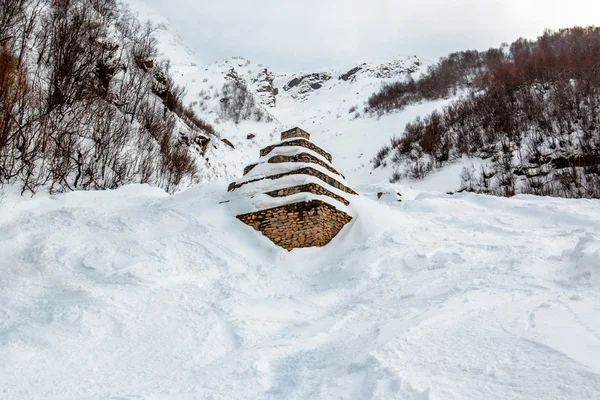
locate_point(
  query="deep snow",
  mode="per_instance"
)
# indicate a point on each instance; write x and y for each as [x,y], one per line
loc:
[133,294]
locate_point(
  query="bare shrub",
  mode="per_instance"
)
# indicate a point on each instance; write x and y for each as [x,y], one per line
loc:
[84,103]
[533,112]
[380,157]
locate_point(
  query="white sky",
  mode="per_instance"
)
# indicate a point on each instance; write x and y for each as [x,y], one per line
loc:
[307,35]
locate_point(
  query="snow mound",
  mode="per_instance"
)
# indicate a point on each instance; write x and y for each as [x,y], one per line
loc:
[586,257]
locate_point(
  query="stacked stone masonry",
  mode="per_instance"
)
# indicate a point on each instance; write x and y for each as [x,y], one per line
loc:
[300,223]
[302,157]
[301,143]
[301,171]
[308,188]
[295,132]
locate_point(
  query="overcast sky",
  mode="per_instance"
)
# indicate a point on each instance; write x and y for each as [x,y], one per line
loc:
[305,35]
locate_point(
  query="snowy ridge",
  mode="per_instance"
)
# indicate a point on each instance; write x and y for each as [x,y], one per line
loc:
[324,112]
[332,113]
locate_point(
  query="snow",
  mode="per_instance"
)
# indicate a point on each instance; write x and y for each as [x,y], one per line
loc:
[261,201]
[447,178]
[291,151]
[323,112]
[134,294]
[270,185]
[269,169]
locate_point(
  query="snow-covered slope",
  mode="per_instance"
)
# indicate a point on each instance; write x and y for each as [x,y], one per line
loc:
[329,104]
[330,109]
[133,294]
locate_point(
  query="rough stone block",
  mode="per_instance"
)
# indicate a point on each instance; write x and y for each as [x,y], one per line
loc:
[301,231]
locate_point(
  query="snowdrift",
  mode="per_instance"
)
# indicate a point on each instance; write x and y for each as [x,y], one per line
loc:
[134,294]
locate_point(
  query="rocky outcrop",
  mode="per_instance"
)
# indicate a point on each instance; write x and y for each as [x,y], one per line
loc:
[392,69]
[300,86]
[264,88]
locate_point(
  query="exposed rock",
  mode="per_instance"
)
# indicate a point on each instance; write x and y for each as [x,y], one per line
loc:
[228,143]
[305,84]
[263,85]
[350,74]
[293,83]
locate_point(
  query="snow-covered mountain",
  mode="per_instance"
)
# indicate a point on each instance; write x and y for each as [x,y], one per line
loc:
[137,294]
[328,103]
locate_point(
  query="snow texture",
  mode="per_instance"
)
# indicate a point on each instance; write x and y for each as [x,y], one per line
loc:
[293,151]
[133,294]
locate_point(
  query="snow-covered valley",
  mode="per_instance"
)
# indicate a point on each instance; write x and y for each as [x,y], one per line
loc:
[137,294]
[134,294]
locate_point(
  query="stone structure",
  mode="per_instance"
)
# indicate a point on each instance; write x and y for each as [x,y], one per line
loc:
[303,157]
[303,171]
[302,143]
[295,133]
[299,223]
[308,188]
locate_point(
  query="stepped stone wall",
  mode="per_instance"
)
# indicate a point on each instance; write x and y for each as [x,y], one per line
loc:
[308,188]
[302,157]
[249,168]
[298,225]
[301,171]
[295,132]
[301,143]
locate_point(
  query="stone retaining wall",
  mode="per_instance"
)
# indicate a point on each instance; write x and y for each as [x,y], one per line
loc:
[308,188]
[299,224]
[301,143]
[305,171]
